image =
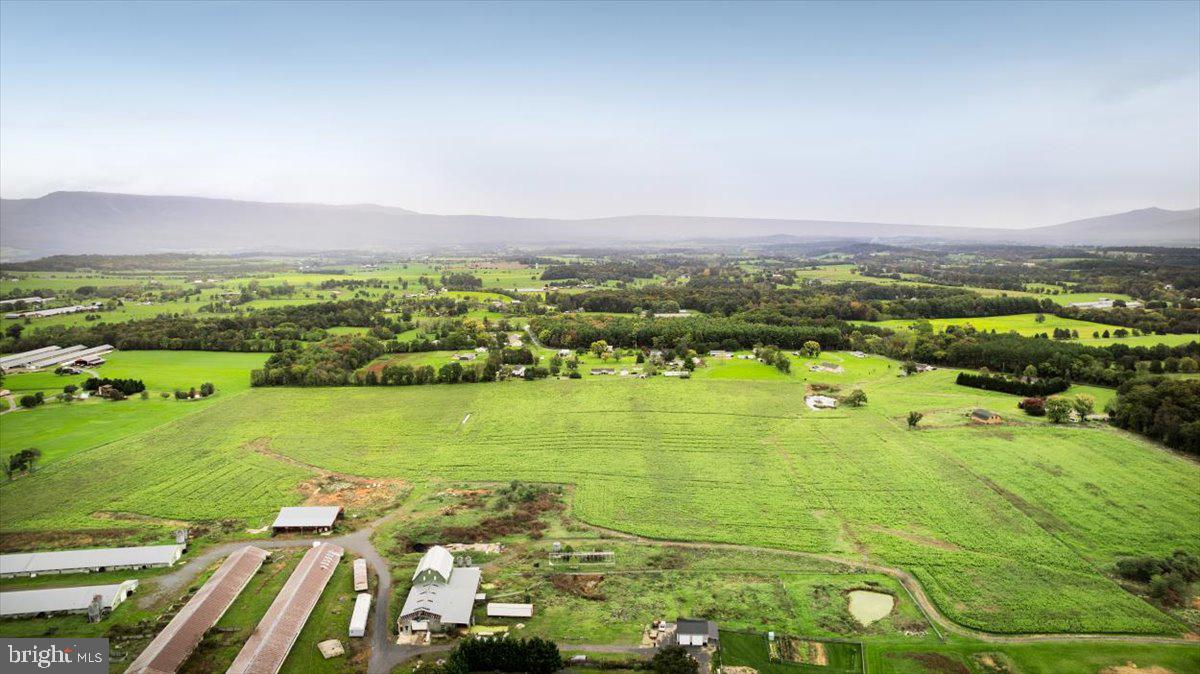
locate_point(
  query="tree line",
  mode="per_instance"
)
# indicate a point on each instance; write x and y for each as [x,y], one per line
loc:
[988,382]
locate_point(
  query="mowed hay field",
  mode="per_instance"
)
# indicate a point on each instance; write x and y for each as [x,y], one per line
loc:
[1008,527]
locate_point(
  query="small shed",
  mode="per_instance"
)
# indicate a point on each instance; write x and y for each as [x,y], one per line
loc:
[982,416]
[499,610]
[306,518]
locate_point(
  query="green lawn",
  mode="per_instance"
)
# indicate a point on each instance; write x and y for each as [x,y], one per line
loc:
[60,429]
[1008,527]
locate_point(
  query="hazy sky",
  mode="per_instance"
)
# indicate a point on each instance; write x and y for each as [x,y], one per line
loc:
[974,114]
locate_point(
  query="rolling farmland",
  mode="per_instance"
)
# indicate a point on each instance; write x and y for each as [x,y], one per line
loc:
[1009,528]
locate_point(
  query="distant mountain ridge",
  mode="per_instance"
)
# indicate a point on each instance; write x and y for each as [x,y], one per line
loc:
[99,222]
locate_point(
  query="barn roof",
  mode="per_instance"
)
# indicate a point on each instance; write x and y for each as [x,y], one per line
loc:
[60,560]
[168,651]
[307,517]
[452,601]
[691,626]
[276,633]
[436,559]
[61,599]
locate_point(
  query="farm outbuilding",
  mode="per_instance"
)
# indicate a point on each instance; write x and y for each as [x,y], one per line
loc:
[690,632]
[32,603]
[442,595]
[89,560]
[360,575]
[306,519]
[168,651]
[982,416]
[273,638]
[499,610]
[358,619]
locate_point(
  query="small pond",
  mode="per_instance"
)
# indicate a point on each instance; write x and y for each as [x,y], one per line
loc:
[868,607]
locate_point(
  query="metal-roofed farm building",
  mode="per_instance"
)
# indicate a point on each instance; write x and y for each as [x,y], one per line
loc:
[499,610]
[30,603]
[306,518]
[442,595]
[276,633]
[15,360]
[168,651]
[88,560]
[70,355]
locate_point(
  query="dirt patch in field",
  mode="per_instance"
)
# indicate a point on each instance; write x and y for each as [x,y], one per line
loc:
[1132,668]
[791,649]
[738,670]
[524,518]
[934,662]
[350,492]
[994,662]
[915,538]
[18,541]
[585,586]
[332,488]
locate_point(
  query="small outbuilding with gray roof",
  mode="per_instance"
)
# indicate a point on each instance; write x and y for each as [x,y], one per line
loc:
[306,519]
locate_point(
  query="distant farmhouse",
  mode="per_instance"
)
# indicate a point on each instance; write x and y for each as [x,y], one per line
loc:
[442,595]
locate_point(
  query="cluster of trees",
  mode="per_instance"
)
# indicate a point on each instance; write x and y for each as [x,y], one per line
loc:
[503,654]
[771,355]
[206,389]
[1162,408]
[331,362]
[699,333]
[31,400]
[1169,579]
[461,281]
[24,461]
[1003,384]
[126,386]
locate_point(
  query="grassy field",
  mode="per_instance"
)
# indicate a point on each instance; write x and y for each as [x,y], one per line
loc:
[1027,325]
[58,429]
[1009,527]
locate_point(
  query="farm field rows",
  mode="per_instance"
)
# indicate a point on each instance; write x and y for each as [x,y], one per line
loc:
[1007,527]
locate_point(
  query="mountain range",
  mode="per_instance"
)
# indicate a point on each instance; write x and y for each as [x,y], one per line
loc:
[99,222]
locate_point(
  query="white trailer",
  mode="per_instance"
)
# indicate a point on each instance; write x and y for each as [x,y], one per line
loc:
[358,619]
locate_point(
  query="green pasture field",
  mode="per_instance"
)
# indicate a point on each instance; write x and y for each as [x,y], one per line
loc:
[1027,325]
[1010,528]
[749,649]
[969,656]
[59,429]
